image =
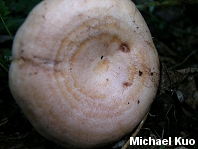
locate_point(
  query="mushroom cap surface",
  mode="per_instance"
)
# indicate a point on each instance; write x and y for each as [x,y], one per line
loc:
[84,72]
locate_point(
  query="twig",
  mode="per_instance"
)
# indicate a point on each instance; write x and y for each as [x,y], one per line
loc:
[4,67]
[193,52]
[137,130]
[6,27]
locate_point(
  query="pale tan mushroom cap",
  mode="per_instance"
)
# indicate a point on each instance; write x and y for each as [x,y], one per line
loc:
[84,72]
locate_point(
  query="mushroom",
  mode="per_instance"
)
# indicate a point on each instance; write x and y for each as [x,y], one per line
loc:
[84,72]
